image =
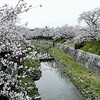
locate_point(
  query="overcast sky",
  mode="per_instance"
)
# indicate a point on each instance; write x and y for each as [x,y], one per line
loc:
[54,13]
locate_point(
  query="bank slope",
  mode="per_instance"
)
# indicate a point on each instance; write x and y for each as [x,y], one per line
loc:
[85,80]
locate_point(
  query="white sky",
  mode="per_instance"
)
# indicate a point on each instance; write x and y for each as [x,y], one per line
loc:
[54,13]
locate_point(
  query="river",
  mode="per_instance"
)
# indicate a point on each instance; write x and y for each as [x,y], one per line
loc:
[54,86]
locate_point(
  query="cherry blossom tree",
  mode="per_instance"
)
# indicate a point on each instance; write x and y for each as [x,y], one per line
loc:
[92,19]
[13,50]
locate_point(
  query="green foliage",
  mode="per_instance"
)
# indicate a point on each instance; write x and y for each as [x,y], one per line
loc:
[98,52]
[70,44]
[48,40]
[28,81]
[31,63]
[60,40]
[79,45]
[25,80]
[92,47]
[33,92]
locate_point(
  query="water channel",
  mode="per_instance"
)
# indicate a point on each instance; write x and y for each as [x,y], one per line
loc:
[54,86]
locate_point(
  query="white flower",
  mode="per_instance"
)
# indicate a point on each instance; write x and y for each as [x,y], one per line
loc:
[21,66]
[23,76]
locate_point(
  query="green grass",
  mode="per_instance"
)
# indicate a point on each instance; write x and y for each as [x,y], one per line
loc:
[84,79]
[92,47]
[28,80]
[60,40]
[48,40]
[31,63]
[70,44]
[87,82]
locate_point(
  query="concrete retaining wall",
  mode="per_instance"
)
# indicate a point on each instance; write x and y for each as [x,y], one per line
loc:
[86,59]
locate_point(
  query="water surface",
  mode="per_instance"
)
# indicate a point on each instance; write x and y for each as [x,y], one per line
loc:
[54,86]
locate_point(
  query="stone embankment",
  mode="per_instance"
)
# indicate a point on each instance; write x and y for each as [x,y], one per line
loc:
[86,59]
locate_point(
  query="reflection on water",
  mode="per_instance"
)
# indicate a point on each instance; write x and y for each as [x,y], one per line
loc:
[53,86]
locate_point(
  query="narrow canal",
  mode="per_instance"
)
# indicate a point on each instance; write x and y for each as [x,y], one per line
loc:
[54,86]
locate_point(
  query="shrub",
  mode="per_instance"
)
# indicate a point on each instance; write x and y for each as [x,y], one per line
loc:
[79,45]
[98,51]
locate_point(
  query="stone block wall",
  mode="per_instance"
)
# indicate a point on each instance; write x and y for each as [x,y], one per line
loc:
[86,59]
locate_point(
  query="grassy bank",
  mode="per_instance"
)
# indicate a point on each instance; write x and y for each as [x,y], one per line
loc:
[30,73]
[87,82]
[92,47]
